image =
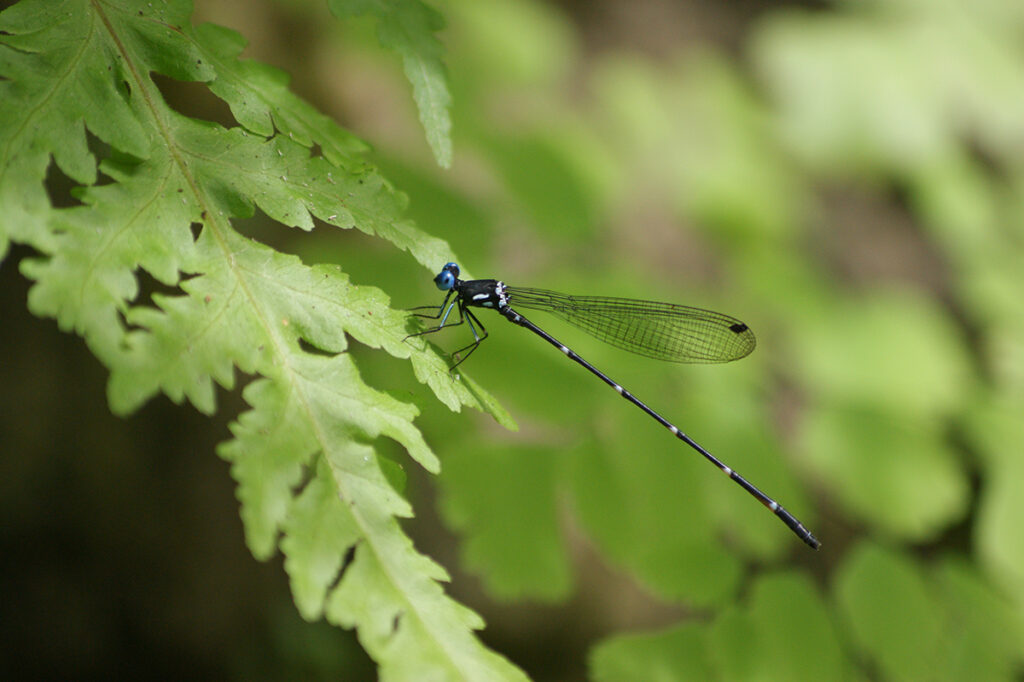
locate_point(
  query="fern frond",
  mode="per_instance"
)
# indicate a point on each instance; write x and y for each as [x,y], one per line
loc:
[408,27]
[74,67]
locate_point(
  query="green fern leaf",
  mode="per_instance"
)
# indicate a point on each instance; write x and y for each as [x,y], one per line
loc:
[408,28]
[261,102]
[72,67]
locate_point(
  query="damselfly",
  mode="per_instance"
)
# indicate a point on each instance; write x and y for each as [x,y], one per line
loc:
[663,331]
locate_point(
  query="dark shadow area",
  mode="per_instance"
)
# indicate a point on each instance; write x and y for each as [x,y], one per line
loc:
[124,553]
[194,100]
[60,188]
[150,286]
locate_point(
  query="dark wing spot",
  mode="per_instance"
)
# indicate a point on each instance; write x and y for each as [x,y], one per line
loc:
[738,327]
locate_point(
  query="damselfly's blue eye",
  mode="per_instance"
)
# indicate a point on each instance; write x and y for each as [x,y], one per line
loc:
[445,279]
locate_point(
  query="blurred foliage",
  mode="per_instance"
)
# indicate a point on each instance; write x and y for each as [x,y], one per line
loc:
[848,181]
[851,188]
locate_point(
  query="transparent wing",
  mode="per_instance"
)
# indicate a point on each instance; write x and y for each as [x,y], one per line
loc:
[664,331]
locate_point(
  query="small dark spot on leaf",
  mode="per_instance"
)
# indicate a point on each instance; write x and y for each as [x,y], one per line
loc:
[350,555]
[395,622]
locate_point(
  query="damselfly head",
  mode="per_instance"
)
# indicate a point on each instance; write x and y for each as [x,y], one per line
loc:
[446,279]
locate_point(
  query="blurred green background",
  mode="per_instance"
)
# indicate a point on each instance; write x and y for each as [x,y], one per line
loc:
[845,177]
